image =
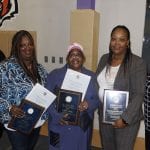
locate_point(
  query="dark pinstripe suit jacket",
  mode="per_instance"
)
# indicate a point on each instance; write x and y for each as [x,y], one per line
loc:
[133,81]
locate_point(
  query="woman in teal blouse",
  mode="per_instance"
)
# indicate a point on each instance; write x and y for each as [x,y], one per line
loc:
[18,74]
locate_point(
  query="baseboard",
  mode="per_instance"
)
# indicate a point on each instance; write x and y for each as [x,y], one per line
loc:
[139,144]
[96,138]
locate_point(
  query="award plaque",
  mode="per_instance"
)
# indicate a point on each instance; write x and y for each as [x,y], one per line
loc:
[68,102]
[115,102]
[32,114]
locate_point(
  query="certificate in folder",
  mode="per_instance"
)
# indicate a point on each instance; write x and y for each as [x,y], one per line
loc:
[76,81]
[42,97]
[32,114]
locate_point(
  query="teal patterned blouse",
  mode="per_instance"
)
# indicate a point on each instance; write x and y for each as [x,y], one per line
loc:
[15,85]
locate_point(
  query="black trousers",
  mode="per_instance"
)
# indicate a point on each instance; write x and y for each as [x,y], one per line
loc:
[1,130]
[20,141]
[147,140]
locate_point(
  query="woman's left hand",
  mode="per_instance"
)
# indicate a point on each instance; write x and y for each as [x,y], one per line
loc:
[119,123]
[83,106]
[63,120]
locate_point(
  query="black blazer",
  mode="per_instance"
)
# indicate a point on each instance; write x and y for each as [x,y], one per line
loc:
[134,82]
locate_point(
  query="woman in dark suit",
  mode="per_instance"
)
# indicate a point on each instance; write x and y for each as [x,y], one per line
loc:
[121,70]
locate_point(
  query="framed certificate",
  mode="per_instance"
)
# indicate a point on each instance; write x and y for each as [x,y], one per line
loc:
[76,81]
[115,102]
[68,102]
[32,114]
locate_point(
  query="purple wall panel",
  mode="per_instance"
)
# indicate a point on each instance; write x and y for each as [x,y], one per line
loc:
[86,4]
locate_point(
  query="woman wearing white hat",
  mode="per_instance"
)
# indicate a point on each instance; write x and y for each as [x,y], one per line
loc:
[64,136]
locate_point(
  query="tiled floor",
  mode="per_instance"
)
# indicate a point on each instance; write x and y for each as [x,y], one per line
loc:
[42,143]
